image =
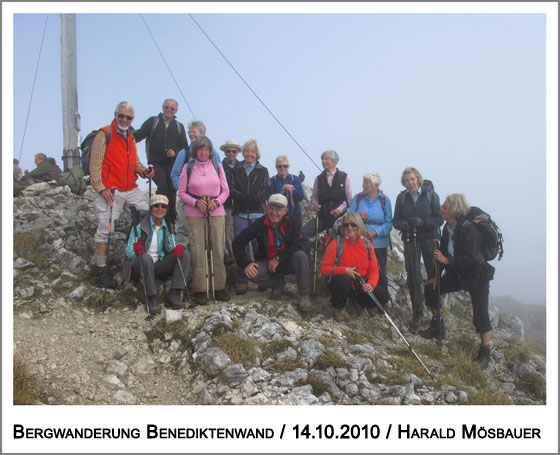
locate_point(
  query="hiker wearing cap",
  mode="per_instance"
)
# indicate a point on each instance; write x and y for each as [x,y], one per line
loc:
[331,197]
[418,217]
[347,257]
[165,137]
[375,209]
[152,243]
[114,169]
[289,185]
[465,269]
[231,149]
[250,189]
[279,252]
[202,177]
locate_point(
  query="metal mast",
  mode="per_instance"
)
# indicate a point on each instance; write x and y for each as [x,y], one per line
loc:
[69,80]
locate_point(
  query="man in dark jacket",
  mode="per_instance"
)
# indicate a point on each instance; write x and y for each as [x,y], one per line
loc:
[418,217]
[44,172]
[279,253]
[165,137]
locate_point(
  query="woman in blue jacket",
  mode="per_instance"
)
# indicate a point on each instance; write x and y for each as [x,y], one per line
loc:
[375,210]
[288,185]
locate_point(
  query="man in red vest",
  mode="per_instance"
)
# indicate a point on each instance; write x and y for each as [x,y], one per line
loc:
[114,168]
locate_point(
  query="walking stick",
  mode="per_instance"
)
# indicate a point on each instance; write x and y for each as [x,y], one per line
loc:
[108,246]
[172,230]
[316,249]
[206,267]
[210,252]
[438,310]
[149,185]
[380,307]
[135,221]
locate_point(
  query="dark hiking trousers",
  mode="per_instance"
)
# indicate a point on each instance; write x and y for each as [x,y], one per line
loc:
[168,266]
[414,272]
[162,179]
[341,288]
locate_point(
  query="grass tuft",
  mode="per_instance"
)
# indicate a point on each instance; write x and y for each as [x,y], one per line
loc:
[329,359]
[239,349]
[28,245]
[25,386]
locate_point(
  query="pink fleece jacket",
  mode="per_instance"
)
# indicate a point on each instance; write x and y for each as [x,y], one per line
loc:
[203,180]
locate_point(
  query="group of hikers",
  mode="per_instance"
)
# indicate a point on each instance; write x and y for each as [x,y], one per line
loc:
[231,213]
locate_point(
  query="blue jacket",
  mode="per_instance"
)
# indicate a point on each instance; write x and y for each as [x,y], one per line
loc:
[378,220]
[276,184]
[180,162]
[163,247]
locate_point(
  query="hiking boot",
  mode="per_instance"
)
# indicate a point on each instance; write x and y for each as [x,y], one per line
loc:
[241,288]
[432,331]
[304,304]
[222,295]
[174,301]
[341,315]
[153,306]
[200,298]
[103,281]
[483,357]
[415,323]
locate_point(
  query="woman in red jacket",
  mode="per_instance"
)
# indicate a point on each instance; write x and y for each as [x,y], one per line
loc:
[343,265]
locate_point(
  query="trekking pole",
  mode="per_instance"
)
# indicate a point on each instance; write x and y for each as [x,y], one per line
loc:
[112,190]
[149,185]
[316,249]
[135,221]
[172,230]
[380,307]
[211,253]
[438,308]
[206,266]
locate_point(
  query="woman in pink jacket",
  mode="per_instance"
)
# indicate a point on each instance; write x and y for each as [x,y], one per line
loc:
[202,177]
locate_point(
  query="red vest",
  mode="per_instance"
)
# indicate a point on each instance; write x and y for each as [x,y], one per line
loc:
[118,168]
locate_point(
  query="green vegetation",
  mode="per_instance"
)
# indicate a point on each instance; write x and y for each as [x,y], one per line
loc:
[178,329]
[275,347]
[24,384]
[515,353]
[239,349]
[319,387]
[28,245]
[534,384]
[330,359]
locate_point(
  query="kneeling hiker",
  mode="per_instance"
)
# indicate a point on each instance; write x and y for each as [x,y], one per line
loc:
[347,258]
[151,252]
[461,254]
[279,253]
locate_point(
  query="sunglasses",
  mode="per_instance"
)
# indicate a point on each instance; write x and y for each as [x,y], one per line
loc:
[347,225]
[160,206]
[232,151]
[128,117]
[282,166]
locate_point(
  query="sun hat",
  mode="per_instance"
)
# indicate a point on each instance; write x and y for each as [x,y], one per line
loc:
[230,143]
[159,199]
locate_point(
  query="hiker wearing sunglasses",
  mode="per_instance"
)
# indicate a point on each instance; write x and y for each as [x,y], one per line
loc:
[151,242]
[165,137]
[288,185]
[114,168]
[418,217]
[348,256]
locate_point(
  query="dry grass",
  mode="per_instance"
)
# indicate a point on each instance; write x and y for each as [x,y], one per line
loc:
[25,386]
[239,349]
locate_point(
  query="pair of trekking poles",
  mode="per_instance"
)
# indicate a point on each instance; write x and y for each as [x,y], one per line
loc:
[412,246]
[208,252]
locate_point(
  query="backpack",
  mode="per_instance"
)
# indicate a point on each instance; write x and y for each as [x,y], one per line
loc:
[340,249]
[190,165]
[74,179]
[492,239]
[275,180]
[86,144]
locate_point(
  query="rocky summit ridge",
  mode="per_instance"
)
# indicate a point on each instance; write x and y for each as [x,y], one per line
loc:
[250,350]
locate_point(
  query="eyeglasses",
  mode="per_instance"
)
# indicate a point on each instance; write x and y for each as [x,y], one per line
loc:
[171,108]
[128,117]
[232,151]
[282,166]
[347,225]
[159,206]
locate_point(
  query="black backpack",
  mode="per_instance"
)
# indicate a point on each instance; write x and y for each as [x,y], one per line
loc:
[492,239]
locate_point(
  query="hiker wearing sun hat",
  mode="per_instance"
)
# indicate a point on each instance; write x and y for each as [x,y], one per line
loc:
[151,252]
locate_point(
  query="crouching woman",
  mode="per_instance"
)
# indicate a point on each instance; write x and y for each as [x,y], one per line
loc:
[347,258]
[466,269]
[151,252]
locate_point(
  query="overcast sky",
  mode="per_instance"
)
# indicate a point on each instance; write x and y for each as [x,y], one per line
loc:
[461,97]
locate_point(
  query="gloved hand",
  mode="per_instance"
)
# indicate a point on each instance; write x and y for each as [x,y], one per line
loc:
[416,221]
[139,248]
[178,251]
[405,226]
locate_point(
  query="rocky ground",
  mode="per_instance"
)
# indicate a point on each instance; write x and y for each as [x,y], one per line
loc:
[250,350]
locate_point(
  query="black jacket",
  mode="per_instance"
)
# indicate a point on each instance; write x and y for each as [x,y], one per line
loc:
[162,139]
[249,194]
[293,240]
[228,170]
[427,207]
[467,261]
